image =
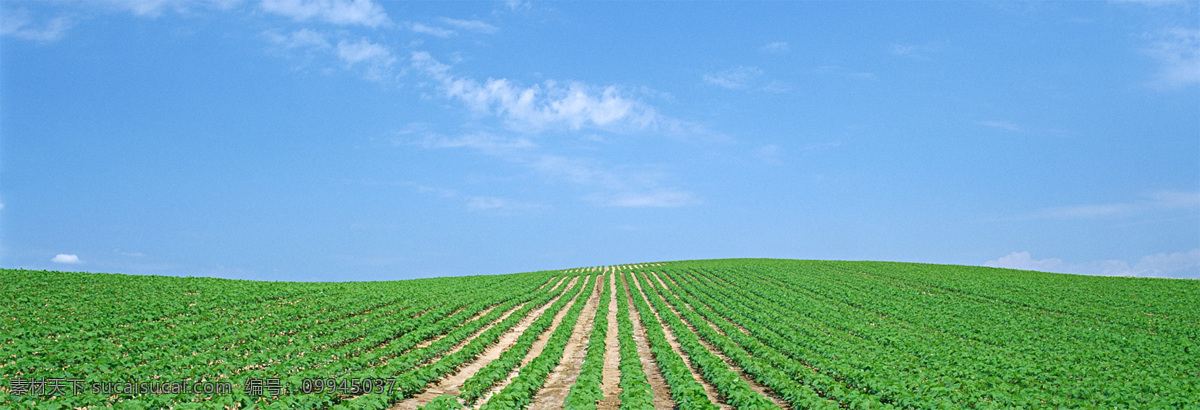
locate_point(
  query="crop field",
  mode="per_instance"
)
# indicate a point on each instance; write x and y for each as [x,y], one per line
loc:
[738,333]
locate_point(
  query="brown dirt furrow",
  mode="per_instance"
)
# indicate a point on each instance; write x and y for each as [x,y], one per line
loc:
[556,284]
[658,384]
[472,319]
[610,386]
[534,351]
[451,384]
[739,326]
[747,332]
[554,392]
[754,384]
[689,306]
[553,280]
[713,396]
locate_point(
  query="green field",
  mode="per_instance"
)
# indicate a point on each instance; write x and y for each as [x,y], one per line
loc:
[740,333]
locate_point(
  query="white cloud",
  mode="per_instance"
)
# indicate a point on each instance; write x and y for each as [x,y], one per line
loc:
[491,203]
[916,51]
[611,185]
[1149,2]
[656,199]
[155,8]
[145,8]
[527,111]
[364,51]
[735,78]
[1177,264]
[614,186]
[433,31]
[1169,264]
[776,47]
[1178,53]
[1023,261]
[1004,125]
[549,105]
[303,38]
[65,258]
[822,145]
[768,153]
[481,203]
[426,62]
[471,25]
[902,49]
[746,77]
[578,171]
[1156,201]
[225,4]
[481,141]
[515,5]
[776,86]
[19,24]
[1174,199]
[373,59]
[839,71]
[338,12]
[1088,211]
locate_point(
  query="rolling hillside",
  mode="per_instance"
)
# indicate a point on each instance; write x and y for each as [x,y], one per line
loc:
[736,333]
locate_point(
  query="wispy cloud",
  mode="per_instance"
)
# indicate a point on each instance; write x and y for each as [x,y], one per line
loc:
[337,12]
[902,49]
[550,105]
[517,5]
[480,141]
[376,59]
[430,30]
[156,8]
[373,60]
[1177,51]
[769,153]
[916,51]
[839,71]
[1157,201]
[20,24]
[1176,264]
[579,171]
[66,259]
[481,203]
[620,186]
[1004,125]
[471,25]
[364,50]
[1026,129]
[745,78]
[1150,2]
[145,8]
[303,38]
[775,47]
[818,146]
[736,78]
[657,199]
[526,112]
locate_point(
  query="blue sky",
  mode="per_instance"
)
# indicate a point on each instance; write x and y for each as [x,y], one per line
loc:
[360,140]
